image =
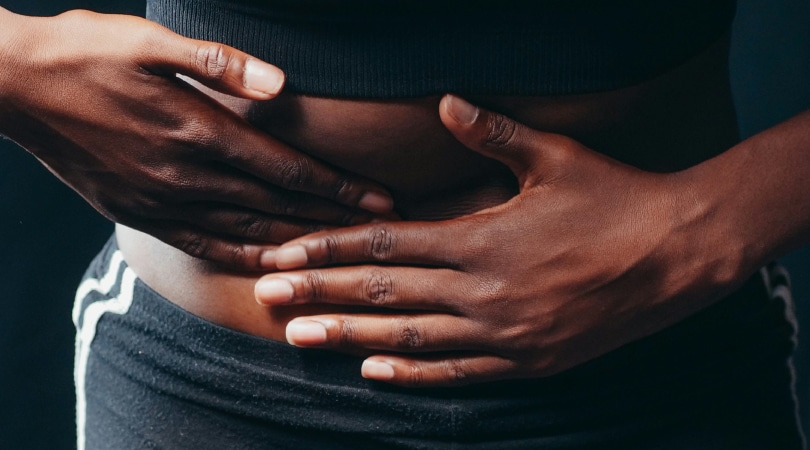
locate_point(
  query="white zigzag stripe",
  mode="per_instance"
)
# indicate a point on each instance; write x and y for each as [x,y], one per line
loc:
[85,334]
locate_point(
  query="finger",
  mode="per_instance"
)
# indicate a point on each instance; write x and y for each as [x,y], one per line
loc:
[382,287]
[233,72]
[251,151]
[438,371]
[208,246]
[246,224]
[241,189]
[423,243]
[531,155]
[397,333]
[251,167]
[220,67]
[294,171]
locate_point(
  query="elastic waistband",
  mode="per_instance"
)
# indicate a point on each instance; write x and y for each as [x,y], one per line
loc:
[709,359]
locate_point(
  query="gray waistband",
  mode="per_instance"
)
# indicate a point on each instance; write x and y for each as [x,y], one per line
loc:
[702,362]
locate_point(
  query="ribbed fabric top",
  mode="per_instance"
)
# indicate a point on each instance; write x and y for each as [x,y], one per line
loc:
[411,48]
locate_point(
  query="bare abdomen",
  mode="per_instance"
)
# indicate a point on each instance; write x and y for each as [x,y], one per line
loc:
[667,124]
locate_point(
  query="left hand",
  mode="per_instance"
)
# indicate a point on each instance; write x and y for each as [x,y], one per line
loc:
[592,254]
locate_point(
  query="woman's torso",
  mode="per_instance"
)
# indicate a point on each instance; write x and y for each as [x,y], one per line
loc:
[666,124]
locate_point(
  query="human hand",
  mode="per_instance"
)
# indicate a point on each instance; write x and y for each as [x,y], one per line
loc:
[95,98]
[592,254]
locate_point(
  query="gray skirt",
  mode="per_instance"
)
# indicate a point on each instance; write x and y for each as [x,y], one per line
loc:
[151,375]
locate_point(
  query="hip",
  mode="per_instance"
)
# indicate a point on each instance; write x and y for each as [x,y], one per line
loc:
[721,379]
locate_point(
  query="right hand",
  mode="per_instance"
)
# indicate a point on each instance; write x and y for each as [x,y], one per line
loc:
[96,99]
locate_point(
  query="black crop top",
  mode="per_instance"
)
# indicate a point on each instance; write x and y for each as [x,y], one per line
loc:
[409,48]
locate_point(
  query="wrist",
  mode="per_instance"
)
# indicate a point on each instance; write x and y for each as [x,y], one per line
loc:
[751,201]
[12,38]
[711,228]
[9,48]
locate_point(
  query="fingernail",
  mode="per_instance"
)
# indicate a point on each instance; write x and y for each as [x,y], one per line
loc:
[376,202]
[306,332]
[377,370]
[268,259]
[274,290]
[262,77]
[291,257]
[461,110]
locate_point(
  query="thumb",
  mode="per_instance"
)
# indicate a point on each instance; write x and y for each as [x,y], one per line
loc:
[218,66]
[524,150]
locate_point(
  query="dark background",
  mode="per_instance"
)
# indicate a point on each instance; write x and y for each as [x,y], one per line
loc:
[48,234]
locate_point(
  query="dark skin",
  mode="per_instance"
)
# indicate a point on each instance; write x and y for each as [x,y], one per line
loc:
[591,255]
[431,182]
[679,240]
[147,150]
[618,254]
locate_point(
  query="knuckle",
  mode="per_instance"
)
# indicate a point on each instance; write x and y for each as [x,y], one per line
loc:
[315,286]
[407,336]
[330,248]
[80,16]
[381,244]
[196,136]
[193,244]
[347,334]
[252,226]
[163,178]
[149,39]
[501,131]
[172,181]
[416,375]
[213,60]
[378,287]
[458,371]
[295,174]
[567,154]
[342,191]
[516,335]
[237,255]
[494,292]
[478,239]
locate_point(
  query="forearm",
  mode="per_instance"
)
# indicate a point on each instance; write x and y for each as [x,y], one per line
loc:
[754,200]
[9,51]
